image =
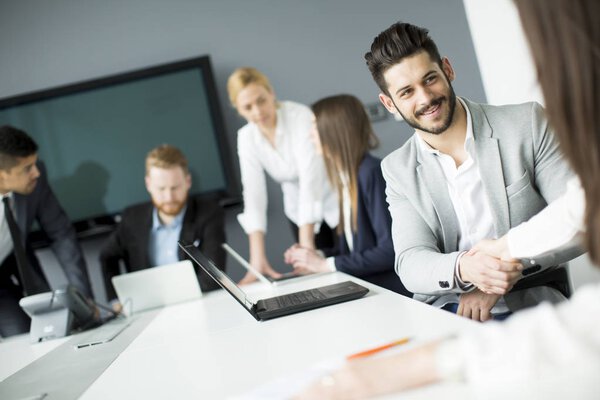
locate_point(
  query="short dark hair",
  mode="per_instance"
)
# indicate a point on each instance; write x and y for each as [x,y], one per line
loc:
[14,143]
[395,43]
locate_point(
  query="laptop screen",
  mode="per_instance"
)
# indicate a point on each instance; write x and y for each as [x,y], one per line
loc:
[218,275]
[169,283]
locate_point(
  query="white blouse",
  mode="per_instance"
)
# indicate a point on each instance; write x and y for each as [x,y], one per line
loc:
[544,352]
[557,226]
[293,163]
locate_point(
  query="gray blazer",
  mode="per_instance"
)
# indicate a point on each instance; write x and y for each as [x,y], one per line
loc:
[521,169]
[42,206]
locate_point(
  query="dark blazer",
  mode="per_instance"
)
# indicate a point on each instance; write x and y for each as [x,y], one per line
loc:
[203,223]
[42,206]
[372,258]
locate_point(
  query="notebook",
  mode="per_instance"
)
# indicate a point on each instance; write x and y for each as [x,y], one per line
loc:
[278,306]
[157,287]
[259,275]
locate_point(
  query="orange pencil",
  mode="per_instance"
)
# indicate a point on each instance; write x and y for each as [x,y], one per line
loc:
[374,350]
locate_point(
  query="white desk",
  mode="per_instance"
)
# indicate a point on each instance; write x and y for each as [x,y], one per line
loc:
[213,348]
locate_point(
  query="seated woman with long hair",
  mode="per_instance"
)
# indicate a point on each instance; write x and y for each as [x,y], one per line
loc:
[343,134]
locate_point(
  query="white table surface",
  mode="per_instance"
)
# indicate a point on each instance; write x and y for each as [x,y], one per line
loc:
[213,349]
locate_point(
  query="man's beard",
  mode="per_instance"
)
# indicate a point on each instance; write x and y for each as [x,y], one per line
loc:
[451,99]
[170,209]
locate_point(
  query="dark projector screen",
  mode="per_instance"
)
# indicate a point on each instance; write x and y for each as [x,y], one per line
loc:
[94,136]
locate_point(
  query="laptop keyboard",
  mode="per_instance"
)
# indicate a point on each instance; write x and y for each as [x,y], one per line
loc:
[304,300]
[294,299]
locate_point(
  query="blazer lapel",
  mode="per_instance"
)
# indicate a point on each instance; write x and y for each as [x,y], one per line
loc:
[20,207]
[490,168]
[145,229]
[432,177]
[188,227]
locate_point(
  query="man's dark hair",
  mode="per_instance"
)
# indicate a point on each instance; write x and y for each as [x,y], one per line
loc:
[395,43]
[14,143]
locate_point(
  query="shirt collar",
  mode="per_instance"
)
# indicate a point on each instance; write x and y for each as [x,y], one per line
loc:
[177,221]
[11,200]
[279,122]
[469,138]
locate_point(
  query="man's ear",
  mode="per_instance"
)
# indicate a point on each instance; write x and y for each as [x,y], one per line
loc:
[147,181]
[447,68]
[2,188]
[388,103]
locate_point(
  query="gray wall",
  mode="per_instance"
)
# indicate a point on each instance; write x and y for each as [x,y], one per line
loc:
[309,49]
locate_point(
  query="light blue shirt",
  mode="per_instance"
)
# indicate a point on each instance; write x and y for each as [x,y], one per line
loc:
[163,239]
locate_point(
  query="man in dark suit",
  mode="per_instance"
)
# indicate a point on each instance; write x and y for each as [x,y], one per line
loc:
[27,197]
[148,233]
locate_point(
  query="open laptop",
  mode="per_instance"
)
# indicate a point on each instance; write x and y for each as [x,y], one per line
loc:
[157,287]
[278,306]
[259,275]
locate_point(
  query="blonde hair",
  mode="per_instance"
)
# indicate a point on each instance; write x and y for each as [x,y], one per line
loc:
[166,156]
[242,77]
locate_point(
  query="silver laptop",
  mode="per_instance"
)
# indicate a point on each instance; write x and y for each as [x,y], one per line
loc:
[259,275]
[157,287]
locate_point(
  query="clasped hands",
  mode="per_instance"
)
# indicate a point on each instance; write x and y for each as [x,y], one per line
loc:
[305,260]
[490,268]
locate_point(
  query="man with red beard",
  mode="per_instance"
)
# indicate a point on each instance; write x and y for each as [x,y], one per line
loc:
[148,233]
[470,172]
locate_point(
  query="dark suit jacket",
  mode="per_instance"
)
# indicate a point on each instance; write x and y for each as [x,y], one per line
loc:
[372,258]
[203,223]
[42,206]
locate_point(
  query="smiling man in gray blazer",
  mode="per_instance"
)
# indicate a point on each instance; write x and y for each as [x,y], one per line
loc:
[470,171]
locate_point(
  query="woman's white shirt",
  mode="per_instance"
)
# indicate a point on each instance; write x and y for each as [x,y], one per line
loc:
[546,352]
[293,163]
[559,225]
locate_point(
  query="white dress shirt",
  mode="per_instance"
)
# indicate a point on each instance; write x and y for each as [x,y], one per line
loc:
[6,243]
[293,163]
[470,202]
[466,191]
[162,246]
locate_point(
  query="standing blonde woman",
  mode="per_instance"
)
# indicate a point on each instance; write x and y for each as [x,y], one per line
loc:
[276,141]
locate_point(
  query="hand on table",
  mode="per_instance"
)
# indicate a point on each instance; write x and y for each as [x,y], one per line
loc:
[476,305]
[261,265]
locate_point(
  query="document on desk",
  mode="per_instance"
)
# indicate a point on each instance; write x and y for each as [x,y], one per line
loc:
[288,386]
[292,384]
